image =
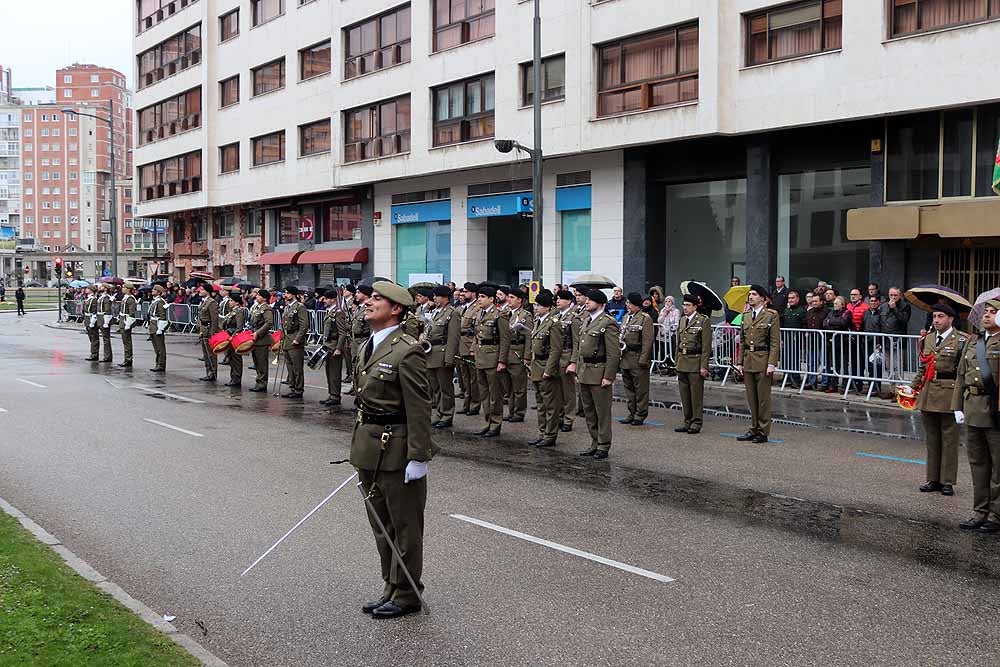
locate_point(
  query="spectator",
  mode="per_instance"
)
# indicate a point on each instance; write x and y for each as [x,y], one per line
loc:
[815,315]
[668,319]
[793,318]
[734,281]
[821,288]
[794,315]
[616,304]
[838,320]
[873,291]
[894,314]
[656,296]
[3,292]
[648,308]
[872,349]
[829,294]
[872,321]
[19,297]
[779,296]
[857,307]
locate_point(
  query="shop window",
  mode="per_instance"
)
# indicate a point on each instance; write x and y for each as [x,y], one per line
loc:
[909,17]
[423,248]
[793,30]
[576,240]
[652,70]
[553,80]
[377,43]
[288,227]
[378,130]
[459,21]
[913,157]
[464,111]
[314,60]
[340,222]
[969,271]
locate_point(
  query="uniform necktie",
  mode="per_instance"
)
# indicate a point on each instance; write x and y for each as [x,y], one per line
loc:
[939,339]
[368,350]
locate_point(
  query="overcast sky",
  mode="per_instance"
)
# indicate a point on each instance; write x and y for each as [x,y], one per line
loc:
[84,31]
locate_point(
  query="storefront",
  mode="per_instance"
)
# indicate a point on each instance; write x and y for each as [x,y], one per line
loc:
[573,210]
[423,241]
[508,234]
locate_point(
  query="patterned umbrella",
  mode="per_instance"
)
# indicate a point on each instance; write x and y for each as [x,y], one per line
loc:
[925,297]
[976,314]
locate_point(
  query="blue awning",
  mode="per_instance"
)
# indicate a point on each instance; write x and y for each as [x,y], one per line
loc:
[573,198]
[490,206]
[428,211]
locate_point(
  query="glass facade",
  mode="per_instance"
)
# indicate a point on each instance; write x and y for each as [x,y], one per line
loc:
[812,228]
[423,247]
[706,232]
[576,240]
[508,248]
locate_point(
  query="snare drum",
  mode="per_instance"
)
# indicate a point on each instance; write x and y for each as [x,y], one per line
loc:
[242,342]
[219,342]
[277,336]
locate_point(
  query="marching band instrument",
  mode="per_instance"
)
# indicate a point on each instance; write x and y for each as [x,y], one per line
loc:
[242,342]
[318,357]
[906,397]
[219,342]
[276,336]
[426,346]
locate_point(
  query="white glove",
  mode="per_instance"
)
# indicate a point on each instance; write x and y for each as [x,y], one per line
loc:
[414,470]
[161,326]
[959,417]
[93,321]
[770,369]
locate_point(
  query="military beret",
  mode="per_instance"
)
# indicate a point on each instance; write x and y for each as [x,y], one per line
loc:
[564,294]
[760,289]
[393,292]
[691,298]
[293,289]
[426,292]
[994,304]
[503,288]
[635,299]
[159,288]
[264,293]
[442,290]
[470,287]
[235,294]
[92,288]
[487,290]
[944,308]
[544,298]
[597,296]
[350,288]
[365,289]
[519,293]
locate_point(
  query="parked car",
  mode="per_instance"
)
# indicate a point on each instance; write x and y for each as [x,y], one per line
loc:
[32,283]
[60,283]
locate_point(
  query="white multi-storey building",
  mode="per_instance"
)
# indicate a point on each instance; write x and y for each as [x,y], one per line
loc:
[846,140]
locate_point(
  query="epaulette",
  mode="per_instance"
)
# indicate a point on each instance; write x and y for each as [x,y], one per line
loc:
[407,338]
[773,311]
[962,337]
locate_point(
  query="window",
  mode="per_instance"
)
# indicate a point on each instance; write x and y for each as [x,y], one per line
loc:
[224,225]
[45,117]
[170,117]
[74,146]
[94,92]
[151,12]
[463,111]
[793,30]
[45,131]
[229,25]
[229,91]
[653,70]
[314,138]
[229,158]
[71,131]
[73,175]
[199,229]
[67,78]
[170,56]
[173,176]
[27,118]
[73,204]
[378,130]
[254,223]
[553,80]
[57,219]
[67,92]
[914,16]
[27,133]
[95,78]
[459,21]
[268,77]
[265,10]
[269,148]
[377,43]
[56,132]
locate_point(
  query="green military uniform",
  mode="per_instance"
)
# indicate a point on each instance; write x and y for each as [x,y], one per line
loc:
[208,321]
[694,348]
[90,317]
[412,325]
[337,339]
[295,325]
[569,323]
[760,342]
[158,331]
[233,320]
[261,323]
[490,347]
[598,358]
[393,428]
[126,321]
[934,402]
[443,335]
[517,370]
[466,365]
[637,334]
[544,353]
[360,332]
[104,318]
[982,433]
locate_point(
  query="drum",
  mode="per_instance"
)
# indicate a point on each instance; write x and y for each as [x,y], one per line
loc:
[906,397]
[277,336]
[242,342]
[219,342]
[317,358]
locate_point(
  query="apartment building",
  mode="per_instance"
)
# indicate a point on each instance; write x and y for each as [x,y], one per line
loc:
[6,85]
[842,140]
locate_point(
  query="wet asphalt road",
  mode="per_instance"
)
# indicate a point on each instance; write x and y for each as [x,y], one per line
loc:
[807,550]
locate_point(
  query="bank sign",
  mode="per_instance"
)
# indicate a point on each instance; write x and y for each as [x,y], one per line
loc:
[492,206]
[430,211]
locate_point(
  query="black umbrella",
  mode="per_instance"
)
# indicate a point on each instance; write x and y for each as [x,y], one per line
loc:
[371,281]
[593,281]
[711,304]
[925,297]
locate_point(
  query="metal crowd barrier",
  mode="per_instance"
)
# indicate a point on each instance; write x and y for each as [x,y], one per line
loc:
[663,346]
[182,317]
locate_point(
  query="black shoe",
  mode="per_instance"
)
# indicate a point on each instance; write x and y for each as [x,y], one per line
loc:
[588,452]
[369,607]
[637,422]
[91,359]
[947,490]
[536,441]
[483,431]
[106,361]
[515,419]
[325,401]
[759,439]
[626,420]
[292,394]
[258,389]
[392,610]
[600,454]
[681,429]
[565,428]
[746,437]
[989,528]
[973,523]
[251,368]
[581,413]
[930,487]
[207,379]
[201,358]
[125,364]
[444,423]
[350,392]
[284,382]
[232,384]
[694,431]
[492,433]
[472,413]
[507,418]
[157,370]
[546,442]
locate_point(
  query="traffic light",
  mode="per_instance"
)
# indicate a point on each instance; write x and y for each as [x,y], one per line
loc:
[59,267]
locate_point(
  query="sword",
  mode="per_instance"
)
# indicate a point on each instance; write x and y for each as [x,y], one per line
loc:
[301,521]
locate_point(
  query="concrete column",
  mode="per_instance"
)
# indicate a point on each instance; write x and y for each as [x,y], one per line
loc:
[468,240]
[635,241]
[368,231]
[761,212]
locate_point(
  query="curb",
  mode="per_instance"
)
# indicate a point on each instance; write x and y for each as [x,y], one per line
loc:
[114,331]
[82,568]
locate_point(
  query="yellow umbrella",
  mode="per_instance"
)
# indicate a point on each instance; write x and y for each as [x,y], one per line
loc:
[736,297]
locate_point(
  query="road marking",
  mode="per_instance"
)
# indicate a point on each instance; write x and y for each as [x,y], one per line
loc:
[175,428]
[154,390]
[774,441]
[3,409]
[568,550]
[883,457]
[33,384]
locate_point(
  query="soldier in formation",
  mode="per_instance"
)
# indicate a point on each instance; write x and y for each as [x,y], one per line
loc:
[208,326]
[544,352]
[335,337]
[360,331]
[637,333]
[694,347]
[760,342]
[521,324]
[90,317]
[261,323]
[128,315]
[598,356]
[295,329]
[490,349]
[442,339]
[466,364]
[158,324]
[104,319]
[233,320]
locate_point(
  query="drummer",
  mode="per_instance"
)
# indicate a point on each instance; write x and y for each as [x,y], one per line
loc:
[261,321]
[233,322]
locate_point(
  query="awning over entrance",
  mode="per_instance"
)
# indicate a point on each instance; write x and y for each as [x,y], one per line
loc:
[343,256]
[279,257]
[949,220]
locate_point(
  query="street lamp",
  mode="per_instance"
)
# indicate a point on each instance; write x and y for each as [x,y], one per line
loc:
[507,145]
[110,120]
